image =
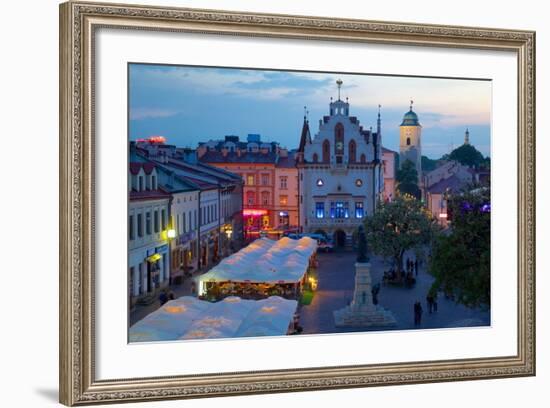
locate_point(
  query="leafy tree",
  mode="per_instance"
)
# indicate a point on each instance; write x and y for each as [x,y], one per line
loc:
[407,179]
[461,260]
[398,226]
[428,164]
[467,155]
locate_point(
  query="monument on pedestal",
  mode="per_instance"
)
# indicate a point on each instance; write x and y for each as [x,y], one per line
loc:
[362,312]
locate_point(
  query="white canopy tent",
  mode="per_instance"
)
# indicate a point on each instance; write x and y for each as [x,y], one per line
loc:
[190,318]
[265,261]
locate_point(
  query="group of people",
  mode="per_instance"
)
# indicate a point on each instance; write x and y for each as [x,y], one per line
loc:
[412,266]
[431,300]
[165,296]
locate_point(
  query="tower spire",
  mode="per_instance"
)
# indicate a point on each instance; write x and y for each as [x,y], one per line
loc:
[339,83]
[411,107]
[379,122]
[467,137]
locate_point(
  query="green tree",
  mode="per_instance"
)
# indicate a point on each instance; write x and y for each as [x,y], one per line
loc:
[467,155]
[407,179]
[428,164]
[461,260]
[398,226]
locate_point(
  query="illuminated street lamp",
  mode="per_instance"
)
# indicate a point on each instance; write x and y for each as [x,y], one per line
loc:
[171,233]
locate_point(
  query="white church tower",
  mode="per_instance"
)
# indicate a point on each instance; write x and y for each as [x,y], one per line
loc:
[410,146]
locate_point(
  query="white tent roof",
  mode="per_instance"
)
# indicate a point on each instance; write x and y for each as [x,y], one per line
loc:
[190,318]
[265,260]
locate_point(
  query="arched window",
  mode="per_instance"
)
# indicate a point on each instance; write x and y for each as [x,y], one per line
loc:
[250,198]
[315,158]
[363,159]
[326,151]
[339,139]
[408,141]
[352,151]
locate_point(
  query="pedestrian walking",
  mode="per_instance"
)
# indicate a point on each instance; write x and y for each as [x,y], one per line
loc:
[417,313]
[163,298]
[430,302]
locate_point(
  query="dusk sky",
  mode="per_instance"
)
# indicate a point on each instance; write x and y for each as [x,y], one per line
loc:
[188,105]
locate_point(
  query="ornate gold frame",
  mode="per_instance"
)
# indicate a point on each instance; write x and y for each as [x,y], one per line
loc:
[78,20]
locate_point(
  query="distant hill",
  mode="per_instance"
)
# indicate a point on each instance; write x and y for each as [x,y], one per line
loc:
[466,154]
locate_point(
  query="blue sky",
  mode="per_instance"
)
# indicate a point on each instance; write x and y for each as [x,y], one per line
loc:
[188,105]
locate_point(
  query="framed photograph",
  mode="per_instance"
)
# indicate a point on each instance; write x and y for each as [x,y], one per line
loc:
[254,203]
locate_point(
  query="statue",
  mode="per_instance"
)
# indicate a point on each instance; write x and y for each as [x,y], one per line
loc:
[362,245]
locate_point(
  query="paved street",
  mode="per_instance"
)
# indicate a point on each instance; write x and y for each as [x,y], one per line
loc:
[335,290]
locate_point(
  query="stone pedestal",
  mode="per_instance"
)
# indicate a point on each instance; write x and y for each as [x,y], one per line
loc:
[362,312]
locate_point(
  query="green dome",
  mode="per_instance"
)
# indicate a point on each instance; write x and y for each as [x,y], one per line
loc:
[410,119]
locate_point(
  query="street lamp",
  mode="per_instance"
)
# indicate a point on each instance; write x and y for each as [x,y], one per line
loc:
[171,233]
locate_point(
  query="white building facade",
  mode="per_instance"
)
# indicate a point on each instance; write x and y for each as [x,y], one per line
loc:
[340,173]
[148,222]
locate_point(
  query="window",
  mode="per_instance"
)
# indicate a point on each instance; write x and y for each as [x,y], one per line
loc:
[358,182]
[359,210]
[408,141]
[265,198]
[283,200]
[315,158]
[190,222]
[156,220]
[183,223]
[163,219]
[250,179]
[148,223]
[352,151]
[131,231]
[283,180]
[250,198]
[339,209]
[320,182]
[326,151]
[265,179]
[195,217]
[320,210]
[140,225]
[140,180]
[363,159]
[153,182]
[339,139]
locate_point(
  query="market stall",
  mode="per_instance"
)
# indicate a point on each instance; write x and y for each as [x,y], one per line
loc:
[191,318]
[261,269]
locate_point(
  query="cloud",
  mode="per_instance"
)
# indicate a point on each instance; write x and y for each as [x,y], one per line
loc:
[151,113]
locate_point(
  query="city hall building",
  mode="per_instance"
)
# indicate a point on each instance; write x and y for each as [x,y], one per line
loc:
[340,173]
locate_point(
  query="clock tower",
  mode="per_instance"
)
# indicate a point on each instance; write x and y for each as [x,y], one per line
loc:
[410,146]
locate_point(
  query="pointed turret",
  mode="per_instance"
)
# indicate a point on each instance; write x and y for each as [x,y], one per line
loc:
[305,138]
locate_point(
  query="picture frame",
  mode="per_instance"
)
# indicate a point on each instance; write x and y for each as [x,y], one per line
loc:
[79,22]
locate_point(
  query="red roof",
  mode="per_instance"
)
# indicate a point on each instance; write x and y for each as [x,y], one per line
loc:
[149,195]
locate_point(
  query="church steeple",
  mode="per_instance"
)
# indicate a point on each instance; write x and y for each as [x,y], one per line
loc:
[379,123]
[305,137]
[467,137]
